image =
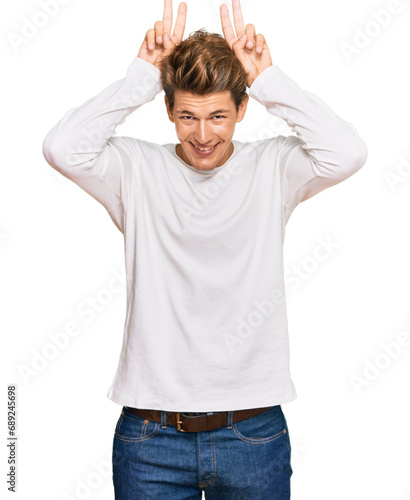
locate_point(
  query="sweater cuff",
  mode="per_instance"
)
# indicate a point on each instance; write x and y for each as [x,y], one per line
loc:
[151,82]
[259,87]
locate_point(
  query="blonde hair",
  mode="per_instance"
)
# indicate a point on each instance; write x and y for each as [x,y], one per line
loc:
[203,63]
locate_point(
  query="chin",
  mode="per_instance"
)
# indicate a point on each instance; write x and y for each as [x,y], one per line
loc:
[204,167]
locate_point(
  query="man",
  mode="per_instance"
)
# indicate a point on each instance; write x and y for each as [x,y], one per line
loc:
[204,366]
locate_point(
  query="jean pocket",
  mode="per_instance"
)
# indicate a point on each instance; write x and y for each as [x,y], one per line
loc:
[133,428]
[262,428]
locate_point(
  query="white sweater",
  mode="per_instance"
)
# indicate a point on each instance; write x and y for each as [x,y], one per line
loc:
[206,323]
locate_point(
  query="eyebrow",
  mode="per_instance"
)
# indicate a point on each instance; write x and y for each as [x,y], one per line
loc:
[213,112]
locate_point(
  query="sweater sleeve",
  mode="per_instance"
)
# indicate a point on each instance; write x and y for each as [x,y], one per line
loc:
[326,149]
[81,145]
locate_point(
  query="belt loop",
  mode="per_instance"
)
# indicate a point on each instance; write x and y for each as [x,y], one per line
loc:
[163,419]
[230,419]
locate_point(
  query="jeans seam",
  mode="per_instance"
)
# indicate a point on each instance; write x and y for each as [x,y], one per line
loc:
[139,439]
[202,484]
[143,436]
[257,440]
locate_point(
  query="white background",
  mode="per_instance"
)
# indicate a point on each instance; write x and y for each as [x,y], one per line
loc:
[58,246]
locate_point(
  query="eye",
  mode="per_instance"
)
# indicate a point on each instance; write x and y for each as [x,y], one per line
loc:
[190,118]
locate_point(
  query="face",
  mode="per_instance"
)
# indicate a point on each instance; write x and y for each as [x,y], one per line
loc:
[205,122]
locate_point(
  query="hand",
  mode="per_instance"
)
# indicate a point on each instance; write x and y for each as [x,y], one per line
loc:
[252,50]
[156,45]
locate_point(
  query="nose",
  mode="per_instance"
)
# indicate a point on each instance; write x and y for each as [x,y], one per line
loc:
[203,133]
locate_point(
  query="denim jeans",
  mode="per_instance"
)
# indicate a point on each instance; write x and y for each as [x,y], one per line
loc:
[246,460]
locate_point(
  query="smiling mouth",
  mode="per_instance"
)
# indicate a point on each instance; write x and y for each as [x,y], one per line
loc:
[205,150]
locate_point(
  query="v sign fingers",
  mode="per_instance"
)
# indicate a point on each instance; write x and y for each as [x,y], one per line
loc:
[228,31]
[159,42]
[250,48]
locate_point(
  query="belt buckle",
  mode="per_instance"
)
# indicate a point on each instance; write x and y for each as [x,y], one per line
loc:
[179,422]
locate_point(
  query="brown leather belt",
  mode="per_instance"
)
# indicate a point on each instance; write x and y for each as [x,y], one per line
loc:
[192,422]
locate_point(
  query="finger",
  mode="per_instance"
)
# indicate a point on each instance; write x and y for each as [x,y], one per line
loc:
[167,17]
[180,23]
[151,39]
[260,42]
[250,35]
[237,18]
[227,28]
[159,31]
[239,45]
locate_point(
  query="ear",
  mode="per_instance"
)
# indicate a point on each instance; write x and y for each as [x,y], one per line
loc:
[168,110]
[242,108]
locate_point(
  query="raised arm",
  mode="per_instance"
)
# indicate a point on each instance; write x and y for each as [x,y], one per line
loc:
[81,145]
[326,149]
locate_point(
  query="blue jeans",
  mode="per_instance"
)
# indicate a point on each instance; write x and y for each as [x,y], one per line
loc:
[246,460]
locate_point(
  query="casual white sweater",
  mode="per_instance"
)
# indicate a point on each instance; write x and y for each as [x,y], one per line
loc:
[206,322]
